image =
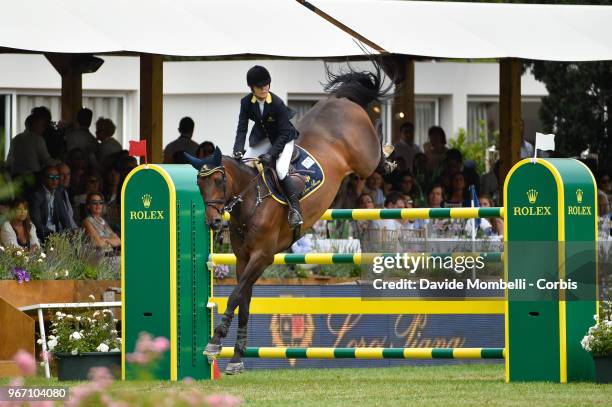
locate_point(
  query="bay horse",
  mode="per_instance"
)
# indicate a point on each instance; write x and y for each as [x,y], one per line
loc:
[338,132]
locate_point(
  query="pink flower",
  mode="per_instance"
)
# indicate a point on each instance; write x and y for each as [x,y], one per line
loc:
[223,400]
[101,377]
[161,344]
[25,362]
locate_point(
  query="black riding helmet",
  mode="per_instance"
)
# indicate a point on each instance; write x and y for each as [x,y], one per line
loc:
[258,76]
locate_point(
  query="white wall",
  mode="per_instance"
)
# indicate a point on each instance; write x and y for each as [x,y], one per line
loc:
[209,91]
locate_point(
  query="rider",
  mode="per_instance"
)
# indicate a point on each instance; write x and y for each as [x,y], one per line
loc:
[272,137]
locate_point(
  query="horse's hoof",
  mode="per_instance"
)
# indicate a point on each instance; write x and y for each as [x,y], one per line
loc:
[234,368]
[211,351]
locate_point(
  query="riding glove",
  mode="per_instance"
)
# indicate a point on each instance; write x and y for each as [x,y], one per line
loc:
[237,155]
[265,159]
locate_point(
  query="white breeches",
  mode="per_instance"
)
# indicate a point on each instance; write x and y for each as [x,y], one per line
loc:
[282,162]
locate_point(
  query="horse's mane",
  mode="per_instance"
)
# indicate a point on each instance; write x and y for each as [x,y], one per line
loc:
[362,87]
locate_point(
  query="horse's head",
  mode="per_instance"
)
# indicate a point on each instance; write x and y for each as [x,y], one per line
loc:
[213,186]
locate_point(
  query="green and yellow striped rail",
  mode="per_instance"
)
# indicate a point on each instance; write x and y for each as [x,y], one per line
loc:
[369,353]
[348,258]
[409,213]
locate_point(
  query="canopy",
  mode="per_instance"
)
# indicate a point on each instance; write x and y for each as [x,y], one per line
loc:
[172,27]
[479,30]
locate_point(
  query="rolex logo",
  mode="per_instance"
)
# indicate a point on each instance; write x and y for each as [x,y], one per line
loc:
[532,195]
[579,195]
[146,200]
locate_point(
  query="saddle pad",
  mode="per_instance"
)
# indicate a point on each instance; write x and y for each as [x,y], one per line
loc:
[310,169]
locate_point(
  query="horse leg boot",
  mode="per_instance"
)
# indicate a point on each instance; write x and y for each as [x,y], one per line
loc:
[293,199]
[236,365]
[213,348]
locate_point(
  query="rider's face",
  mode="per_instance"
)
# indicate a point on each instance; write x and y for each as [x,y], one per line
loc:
[261,93]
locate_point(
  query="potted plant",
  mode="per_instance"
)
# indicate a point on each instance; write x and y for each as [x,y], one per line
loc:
[84,339]
[598,341]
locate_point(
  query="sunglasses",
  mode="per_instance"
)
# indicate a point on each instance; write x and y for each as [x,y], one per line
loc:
[53,177]
[96,202]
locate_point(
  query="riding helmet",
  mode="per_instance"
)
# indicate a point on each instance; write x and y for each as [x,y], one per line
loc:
[258,76]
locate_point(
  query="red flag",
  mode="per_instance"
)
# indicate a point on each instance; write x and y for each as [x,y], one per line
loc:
[138,149]
[216,372]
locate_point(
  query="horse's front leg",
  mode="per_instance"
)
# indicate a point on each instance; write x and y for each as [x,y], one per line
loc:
[253,269]
[236,365]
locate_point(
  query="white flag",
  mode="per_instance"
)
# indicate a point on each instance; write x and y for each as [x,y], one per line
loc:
[544,142]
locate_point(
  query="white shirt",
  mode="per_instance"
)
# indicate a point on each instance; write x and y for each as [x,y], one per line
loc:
[8,237]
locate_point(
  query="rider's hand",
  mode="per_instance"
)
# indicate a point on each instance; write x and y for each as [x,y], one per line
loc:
[265,159]
[237,155]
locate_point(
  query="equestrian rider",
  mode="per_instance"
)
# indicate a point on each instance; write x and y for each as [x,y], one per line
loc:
[272,136]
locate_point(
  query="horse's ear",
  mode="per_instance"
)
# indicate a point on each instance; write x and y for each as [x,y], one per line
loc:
[197,163]
[216,157]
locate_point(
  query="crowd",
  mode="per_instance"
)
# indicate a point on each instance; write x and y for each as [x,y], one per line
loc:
[65,179]
[70,178]
[435,176]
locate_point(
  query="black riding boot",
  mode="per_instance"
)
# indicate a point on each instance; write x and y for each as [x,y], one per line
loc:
[293,199]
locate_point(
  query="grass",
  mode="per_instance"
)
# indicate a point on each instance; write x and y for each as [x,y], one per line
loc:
[458,385]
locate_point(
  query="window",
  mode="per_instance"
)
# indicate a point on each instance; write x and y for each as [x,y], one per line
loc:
[425,115]
[301,107]
[102,106]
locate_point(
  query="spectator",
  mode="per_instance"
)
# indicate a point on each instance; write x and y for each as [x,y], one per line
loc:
[108,147]
[605,185]
[488,226]
[183,143]
[77,162]
[453,163]
[489,183]
[48,213]
[405,147]
[28,152]
[64,171]
[458,195]
[205,149]
[395,200]
[93,183]
[19,231]
[80,137]
[52,134]
[435,196]
[408,187]
[435,149]
[359,227]
[526,147]
[420,172]
[351,189]
[98,230]
[374,186]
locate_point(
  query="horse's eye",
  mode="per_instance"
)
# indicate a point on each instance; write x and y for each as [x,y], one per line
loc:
[219,183]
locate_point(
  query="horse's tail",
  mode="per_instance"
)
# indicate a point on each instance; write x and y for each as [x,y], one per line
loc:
[362,87]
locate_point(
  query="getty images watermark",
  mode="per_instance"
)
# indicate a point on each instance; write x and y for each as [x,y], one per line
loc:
[426,271]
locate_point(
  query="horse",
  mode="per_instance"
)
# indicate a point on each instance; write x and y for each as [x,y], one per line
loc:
[338,132]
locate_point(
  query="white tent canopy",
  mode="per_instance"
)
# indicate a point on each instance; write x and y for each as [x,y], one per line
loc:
[479,30]
[172,27]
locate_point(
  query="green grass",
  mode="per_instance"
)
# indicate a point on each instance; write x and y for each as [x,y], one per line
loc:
[458,385]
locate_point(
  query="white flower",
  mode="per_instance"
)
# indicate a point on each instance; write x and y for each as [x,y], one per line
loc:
[75,336]
[115,350]
[51,337]
[107,311]
[50,249]
[96,313]
[54,331]
[19,253]
[69,316]
[56,274]
[113,331]
[74,352]
[39,341]
[40,260]
[78,318]
[42,255]
[52,344]
[58,314]
[66,273]
[595,317]
[26,258]
[91,297]
[2,248]
[586,344]
[102,347]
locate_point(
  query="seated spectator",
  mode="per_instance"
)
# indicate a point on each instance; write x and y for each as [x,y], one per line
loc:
[421,174]
[457,195]
[489,183]
[65,176]
[351,189]
[105,129]
[435,196]
[488,226]
[407,186]
[98,230]
[395,200]
[80,137]
[93,183]
[205,149]
[183,143]
[48,213]
[358,227]
[374,186]
[19,231]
